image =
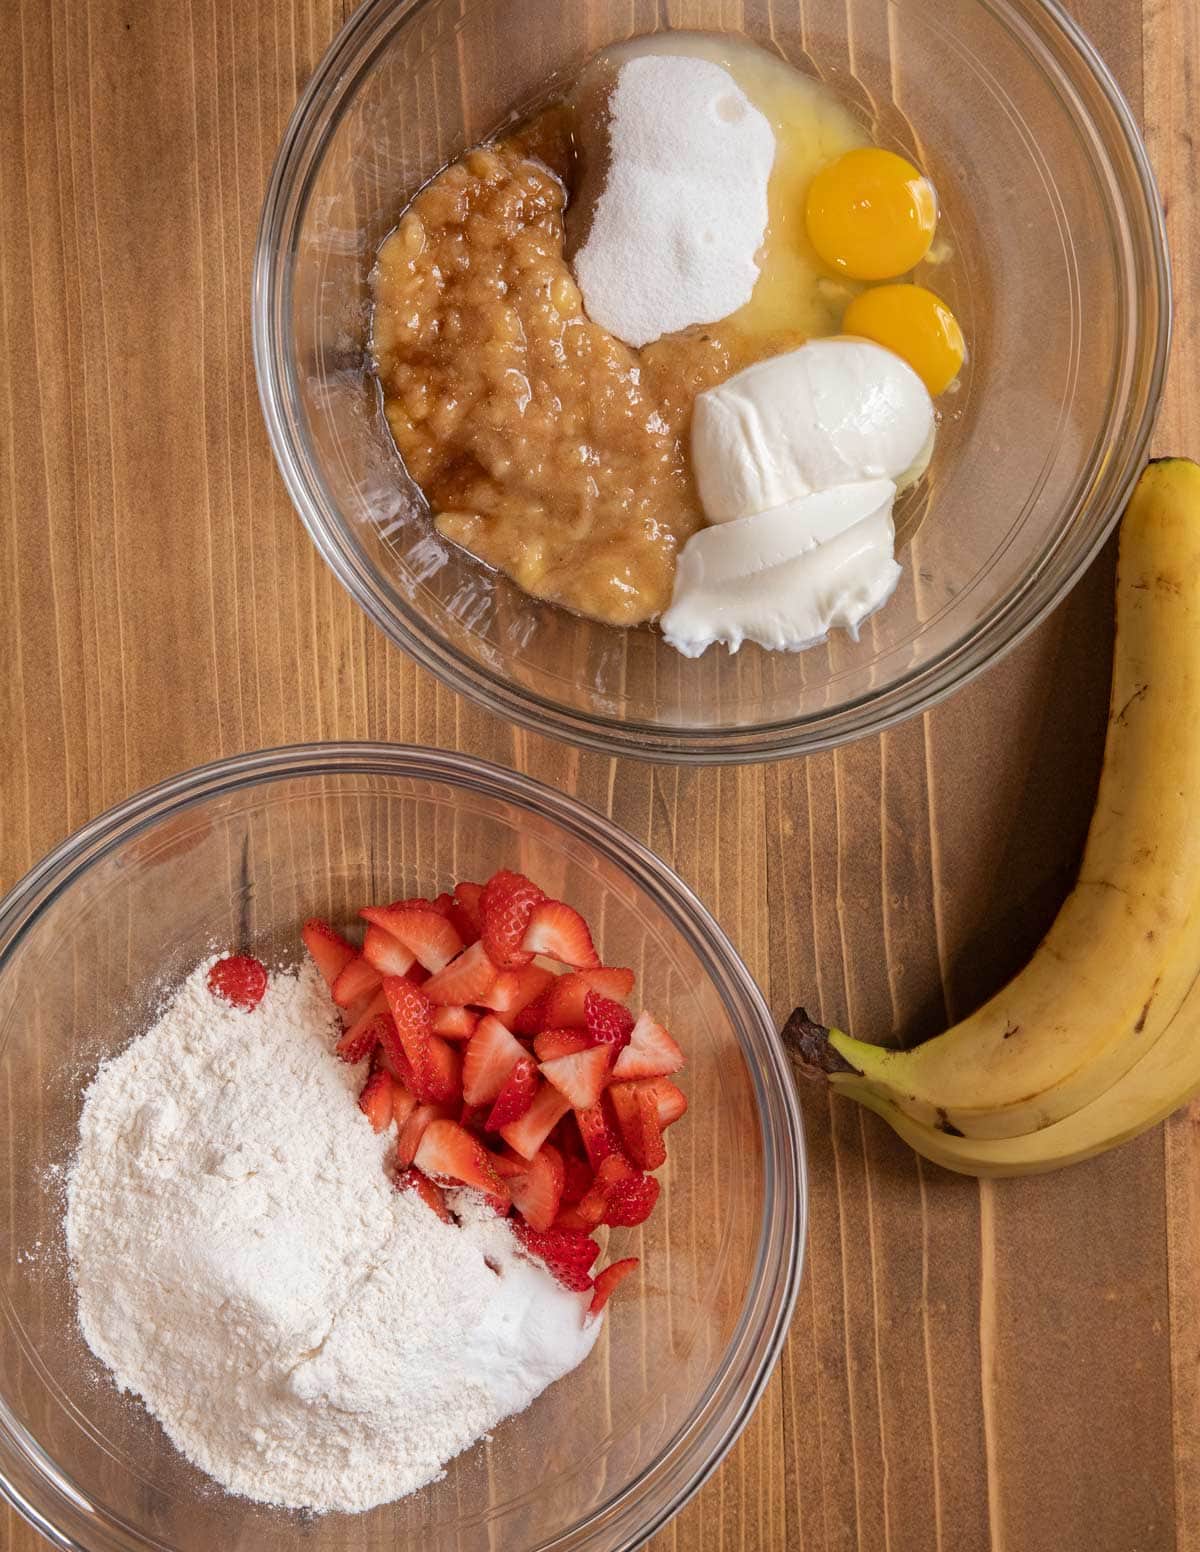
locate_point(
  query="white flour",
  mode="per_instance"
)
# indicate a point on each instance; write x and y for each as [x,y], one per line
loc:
[305,1333]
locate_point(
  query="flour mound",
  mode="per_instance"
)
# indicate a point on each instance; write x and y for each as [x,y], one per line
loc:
[305,1334]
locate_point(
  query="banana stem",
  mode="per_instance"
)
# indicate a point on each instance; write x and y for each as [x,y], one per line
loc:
[808,1043]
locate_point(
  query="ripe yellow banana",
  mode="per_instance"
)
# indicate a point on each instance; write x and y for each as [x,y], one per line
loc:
[1123,953]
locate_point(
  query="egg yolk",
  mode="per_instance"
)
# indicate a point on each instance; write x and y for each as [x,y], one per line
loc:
[916,325]
[870,214]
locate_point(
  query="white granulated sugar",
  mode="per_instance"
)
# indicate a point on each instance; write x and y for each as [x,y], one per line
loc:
[305,1333]
[683,212]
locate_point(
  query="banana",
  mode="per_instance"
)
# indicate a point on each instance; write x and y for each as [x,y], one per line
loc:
[1107,981]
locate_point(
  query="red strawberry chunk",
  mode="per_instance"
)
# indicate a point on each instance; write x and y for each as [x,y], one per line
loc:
[423,930]
[508,1164]
[448,1152]
[414,1129]
[572,1220]
[630,1202]
[577,1179]
[358,979]
[363,1034]
[468,978]
[636,1109]
[375,1101]
[386,953]
[559,932]
[516,989]
[671,1100]
[403,1104]
[467,914]
[561,1042]
[581,1077]
[531,1020]
[515,1098]
[239,979]
[491,1054]
[598,1136]
[607,1022]
[568,1256]
[329,950]
[565,1007]
[454,1023]
[435,1064]
[594,1205]
[506,905]
[536,1194]
[413,1180]
[607,1280]
[529,1133]
[651,1052]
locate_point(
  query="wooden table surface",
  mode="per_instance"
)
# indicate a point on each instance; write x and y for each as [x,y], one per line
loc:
[1010,1366]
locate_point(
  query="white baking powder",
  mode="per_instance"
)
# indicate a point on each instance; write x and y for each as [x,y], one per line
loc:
[305,1333]
[675,232]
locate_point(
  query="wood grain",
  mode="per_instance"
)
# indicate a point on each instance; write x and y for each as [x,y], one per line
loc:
[1011,1367]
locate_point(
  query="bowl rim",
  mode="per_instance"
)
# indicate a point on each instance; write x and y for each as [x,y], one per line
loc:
[1002,628]
[36,1487]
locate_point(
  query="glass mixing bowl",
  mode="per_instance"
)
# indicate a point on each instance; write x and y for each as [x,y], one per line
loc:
[238,854]
[1059,275]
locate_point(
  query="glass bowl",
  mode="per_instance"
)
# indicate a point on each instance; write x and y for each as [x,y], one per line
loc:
[1059,275]
[238,854]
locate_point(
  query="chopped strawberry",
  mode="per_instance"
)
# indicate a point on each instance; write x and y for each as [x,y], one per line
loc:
[414,1129]
[422,929]
[529,1133]
[239,979]
[577,1179]
[491,1054]
[636,1109]
[516,989]
[630,1202]
[467,915]
[358,979]
[537,1193]
[531,1020]
[403,1103]
[566,1138]
[598,1136]
[386,953]
[613,1170]
[362,1035]
[559,932]
[561,1042]
[413,1180]
[572,1220]
[375,1101]
[565,1006]
[582,1076]
[469,978]
[329,950]
[447,1151]
[391,1049]
[607,1280]
[515,1098]
[508,1164]
[671,1101]
[454,1023]
[608,1022]
[651,1053]
[565,1254]
[435,1065]
[506,905]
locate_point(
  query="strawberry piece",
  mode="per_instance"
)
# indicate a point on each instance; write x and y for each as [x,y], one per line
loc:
[454,1023]
[636,1109]
[506,906]
[403,1103]
[329,950]
[580,1077]
[467,914]
[529,1133]
[607,1022]
[391,1048]
[239,979]
[516,989]
[413,1180]
[414,1129]
[671,1101]
[531,1020]
[491,1054]
[469,978]
[435,1065]
[509,1164]
[613,1170]
[358,979]
[651,1053]
[598,1136]
[565,1006]
[568,1256]
[560,1042]
[375,1100]
[447,1151]
[607,1280]
[363,1033]
[423,930]
[559,932]
[577,1179]
[386,953]
[515,1098]
[536,1194]
[572,1220]
[631,1201]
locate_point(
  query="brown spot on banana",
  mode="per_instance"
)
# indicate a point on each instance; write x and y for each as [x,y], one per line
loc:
[1137,695]
[945,1124]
